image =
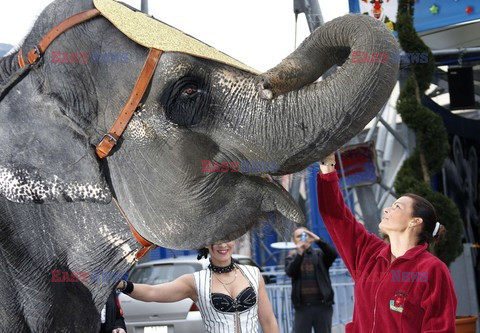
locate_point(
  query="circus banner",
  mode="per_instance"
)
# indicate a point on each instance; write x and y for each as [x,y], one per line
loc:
[383,10]
[429,14]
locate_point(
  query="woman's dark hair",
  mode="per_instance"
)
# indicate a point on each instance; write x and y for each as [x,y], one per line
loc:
[422,208]
[203,252]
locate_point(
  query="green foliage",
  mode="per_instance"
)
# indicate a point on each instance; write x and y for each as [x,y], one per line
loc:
[408,176]
[434,141]
[431,137]
[451,247]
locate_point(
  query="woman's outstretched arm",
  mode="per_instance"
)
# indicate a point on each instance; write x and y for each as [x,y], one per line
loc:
[181,288]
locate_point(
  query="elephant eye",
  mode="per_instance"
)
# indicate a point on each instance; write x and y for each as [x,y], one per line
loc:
[189,91]
[185,101]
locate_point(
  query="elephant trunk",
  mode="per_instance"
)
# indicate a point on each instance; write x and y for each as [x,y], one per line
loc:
[311,120]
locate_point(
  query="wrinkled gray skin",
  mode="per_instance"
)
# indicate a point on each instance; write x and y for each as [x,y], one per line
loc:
[56,208]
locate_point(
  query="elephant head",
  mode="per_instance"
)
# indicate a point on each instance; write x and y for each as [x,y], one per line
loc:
[57,196]
[196,110]
[199,110]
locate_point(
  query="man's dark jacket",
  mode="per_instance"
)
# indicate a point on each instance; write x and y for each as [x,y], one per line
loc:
[323,258]
[113,318]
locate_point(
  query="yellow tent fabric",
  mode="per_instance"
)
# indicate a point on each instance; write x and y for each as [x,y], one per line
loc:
[151,33]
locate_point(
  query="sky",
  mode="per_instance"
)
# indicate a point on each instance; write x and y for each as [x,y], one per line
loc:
[260,33]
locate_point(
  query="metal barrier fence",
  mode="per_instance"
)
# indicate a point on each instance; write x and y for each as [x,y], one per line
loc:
[279,294]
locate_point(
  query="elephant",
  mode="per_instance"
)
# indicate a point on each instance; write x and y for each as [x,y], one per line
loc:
[65,212]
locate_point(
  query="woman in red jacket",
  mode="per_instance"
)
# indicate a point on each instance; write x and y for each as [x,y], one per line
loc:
[399,286]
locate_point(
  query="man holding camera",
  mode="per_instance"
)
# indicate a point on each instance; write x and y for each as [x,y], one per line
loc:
[312,293]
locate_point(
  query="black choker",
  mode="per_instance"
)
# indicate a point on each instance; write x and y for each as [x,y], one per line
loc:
[220,270]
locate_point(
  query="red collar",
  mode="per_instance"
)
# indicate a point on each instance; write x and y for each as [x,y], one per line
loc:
[414,252]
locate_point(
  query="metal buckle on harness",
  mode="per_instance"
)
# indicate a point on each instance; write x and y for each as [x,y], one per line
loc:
[106,145]
[111,137]
[34,55]
[37,50]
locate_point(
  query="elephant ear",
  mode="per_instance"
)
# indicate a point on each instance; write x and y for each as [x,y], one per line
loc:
[45,156]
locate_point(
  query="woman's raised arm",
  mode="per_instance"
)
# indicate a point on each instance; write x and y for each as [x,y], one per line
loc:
[349,236]
[180,288]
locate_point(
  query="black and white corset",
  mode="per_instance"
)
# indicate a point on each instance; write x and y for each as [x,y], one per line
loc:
[223,314]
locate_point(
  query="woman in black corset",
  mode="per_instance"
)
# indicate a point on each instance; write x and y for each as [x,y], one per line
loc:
[231,297]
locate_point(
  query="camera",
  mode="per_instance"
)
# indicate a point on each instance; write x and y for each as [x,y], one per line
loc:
[303,236]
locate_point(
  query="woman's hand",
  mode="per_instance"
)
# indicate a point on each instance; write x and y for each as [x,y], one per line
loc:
[118,330]
[327,164]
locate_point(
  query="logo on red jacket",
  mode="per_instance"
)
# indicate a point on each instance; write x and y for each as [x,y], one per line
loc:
[398,301]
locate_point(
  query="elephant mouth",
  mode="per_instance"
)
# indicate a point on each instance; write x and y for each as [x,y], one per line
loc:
[254,179]
[278,199]
[259,200]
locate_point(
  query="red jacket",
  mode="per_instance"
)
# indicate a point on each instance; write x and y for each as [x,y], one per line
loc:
[413,294]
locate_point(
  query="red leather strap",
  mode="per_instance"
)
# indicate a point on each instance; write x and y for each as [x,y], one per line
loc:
[147,245]
[109,140]
[36,53]
[20,58]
